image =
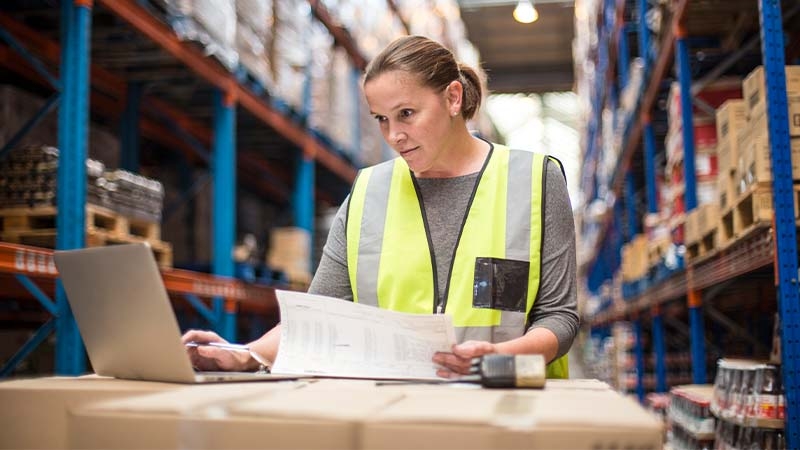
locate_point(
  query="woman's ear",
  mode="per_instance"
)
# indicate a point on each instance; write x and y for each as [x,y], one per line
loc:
[454,94]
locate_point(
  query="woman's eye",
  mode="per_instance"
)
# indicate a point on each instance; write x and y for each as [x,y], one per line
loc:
[406,113]
[380,118]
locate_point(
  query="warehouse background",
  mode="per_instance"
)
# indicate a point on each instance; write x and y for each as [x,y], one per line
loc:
[225,133]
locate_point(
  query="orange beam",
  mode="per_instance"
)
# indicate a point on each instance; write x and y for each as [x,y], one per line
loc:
[38,262]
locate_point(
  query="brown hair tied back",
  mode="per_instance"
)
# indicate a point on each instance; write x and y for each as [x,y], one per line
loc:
[433,64]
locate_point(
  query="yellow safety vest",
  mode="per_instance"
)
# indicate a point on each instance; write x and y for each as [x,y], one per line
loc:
[494,277]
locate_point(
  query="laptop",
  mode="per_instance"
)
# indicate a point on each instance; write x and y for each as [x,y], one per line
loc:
[126,319]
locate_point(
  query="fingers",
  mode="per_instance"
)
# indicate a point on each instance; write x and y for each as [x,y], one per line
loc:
[459,362]
[212,358]
[452,363]
[473,349]
[201,336]
[208,358]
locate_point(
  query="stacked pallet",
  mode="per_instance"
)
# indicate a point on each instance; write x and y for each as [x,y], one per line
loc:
[744,184]
[122,207]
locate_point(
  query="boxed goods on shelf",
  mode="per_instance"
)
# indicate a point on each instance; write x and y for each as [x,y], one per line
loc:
[211,23]
[290,252]
[754,90]
[729,118]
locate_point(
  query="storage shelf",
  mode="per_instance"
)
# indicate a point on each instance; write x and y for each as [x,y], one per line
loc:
[37,263]
[751,252]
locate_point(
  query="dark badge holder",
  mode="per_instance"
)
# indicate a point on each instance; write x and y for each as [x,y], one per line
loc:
[500,284]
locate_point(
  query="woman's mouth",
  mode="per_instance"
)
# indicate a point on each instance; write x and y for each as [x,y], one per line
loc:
[407,151]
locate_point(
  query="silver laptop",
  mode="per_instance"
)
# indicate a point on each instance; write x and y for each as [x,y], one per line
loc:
[126,319]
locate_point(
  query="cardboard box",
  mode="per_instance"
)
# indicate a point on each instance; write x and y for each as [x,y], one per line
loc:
[34,413]
[281,415]
[290,251]
[498,419]
[176,419]
[756,163]
[727,156]
[757,118]
[730,117]
[754,88]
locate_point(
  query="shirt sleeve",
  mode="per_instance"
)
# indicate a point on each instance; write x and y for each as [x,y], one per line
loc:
[556,305]
[332,278]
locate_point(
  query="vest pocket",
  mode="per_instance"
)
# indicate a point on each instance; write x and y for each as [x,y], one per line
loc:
[500,284]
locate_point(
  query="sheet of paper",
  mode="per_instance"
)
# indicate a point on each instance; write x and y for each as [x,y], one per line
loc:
[332,337]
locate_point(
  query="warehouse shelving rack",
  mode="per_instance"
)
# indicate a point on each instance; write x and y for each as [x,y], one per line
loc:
[766,247]
[82,81]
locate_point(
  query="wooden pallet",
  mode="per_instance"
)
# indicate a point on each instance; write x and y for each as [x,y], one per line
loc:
[37,227]
[94,238]
[99,218]
[702,246]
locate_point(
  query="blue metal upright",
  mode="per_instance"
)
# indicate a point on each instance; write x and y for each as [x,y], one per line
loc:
[224,203]
[644,36]
[687,118]
[659,351]
[630,206]
[648,135]
[303,193]
[772,48]
[623,56]
[639,351]
[73,124]
[649,139]
[355,86]
[698,336]
[130,128]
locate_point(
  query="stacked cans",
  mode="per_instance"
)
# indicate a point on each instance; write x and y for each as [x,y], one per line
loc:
[731,436]
[134,195]
[749,397]
[29,177]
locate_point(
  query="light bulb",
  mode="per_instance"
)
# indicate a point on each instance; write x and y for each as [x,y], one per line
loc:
[525,12]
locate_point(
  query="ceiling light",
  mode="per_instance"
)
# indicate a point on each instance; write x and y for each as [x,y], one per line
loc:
[525,12]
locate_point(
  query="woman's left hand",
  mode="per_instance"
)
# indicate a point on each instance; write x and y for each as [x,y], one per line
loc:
[459,361]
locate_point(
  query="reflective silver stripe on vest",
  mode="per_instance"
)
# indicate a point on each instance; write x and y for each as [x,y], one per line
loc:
[518,233]
[370,241]
[518,206]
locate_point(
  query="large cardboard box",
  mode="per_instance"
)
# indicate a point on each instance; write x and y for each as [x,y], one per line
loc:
[254,415]
[730,117]
[503,419]
[754,89]
[34,411]
[360,414]
[183,418]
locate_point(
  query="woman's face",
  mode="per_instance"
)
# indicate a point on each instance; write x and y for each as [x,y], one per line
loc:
[416,121]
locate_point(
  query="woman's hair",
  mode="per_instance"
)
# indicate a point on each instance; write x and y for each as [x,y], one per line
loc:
[433,64]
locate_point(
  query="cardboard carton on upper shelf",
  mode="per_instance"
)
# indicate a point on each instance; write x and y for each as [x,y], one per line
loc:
[754,87]
[34,413]
[290,251]
[730,117]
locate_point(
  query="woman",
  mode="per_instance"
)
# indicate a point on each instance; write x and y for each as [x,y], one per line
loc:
[455,225]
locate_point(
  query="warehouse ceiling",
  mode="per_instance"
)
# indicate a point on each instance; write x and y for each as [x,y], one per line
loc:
[517,57]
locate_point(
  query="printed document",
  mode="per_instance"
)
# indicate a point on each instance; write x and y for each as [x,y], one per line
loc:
[326,336]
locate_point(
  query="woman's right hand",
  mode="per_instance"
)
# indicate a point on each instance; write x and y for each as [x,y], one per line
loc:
[206,358]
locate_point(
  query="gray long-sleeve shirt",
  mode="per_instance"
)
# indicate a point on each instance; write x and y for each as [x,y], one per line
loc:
[446,201]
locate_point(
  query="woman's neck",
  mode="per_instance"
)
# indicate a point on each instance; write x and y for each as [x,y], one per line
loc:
[464,155]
